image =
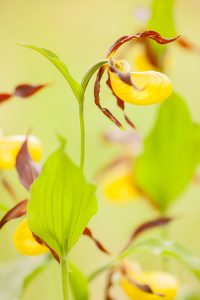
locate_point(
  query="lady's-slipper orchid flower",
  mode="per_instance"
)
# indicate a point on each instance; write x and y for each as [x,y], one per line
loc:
[115,179]
[10,146]
[159,285]
[118,186]
[140,88]
[163,285]
[25,243]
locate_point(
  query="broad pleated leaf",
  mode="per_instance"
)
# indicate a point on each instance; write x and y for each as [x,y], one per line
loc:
[171,154]
[78,283]
[60,65]
[167,248]
[61,203]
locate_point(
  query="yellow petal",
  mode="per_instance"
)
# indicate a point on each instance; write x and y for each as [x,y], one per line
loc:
[160,282]
[154,87]
[25,243]
[142,63]
[10,146]
[118,186]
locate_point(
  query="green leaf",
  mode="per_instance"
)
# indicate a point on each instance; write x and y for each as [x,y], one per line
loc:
[171,154]
[162,21]
[15,276]
[60,65]
[162,17]
[167,248]
[78,283]
[61,203]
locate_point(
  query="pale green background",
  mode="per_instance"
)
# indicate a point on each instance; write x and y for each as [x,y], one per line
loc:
[81,32]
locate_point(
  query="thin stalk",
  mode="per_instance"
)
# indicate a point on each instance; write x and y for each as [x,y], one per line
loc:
[82,130]
[65,279]
[102,269]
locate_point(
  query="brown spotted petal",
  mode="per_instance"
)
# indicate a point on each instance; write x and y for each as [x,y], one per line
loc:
[99,245]
[159,222]
[146,34]
[97,87]
[16,212]
[27,170]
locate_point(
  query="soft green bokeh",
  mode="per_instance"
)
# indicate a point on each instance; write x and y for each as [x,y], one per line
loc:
[81,32]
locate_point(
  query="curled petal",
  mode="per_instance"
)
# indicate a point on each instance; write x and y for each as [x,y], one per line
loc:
[105,111]
[25,243]
[146,34]
[16,212]
[142,228]
[154,87]
[99,245]
[121,105]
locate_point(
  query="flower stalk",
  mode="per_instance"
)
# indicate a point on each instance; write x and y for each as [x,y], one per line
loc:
[65,279]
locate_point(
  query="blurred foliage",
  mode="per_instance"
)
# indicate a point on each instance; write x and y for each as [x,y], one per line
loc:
[171,154]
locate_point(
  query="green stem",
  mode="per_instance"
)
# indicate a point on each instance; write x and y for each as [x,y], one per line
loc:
[90,72]
[82,129]
[65,279]
[102,269]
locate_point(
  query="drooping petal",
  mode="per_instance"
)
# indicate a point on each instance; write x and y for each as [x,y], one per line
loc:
[16,212]
[144,227]
[27,170]
[87,232]
[152,87]
[121,105]
[25,243]
[104,110]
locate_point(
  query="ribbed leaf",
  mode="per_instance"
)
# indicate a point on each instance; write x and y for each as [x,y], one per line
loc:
[61,203]
[60,65]
[171,153]
[167,248]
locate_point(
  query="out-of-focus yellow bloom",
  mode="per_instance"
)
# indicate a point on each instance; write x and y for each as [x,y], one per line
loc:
[142,63]
[25,243]
[118,186]
[161,283]
[152,87]
[10,146]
